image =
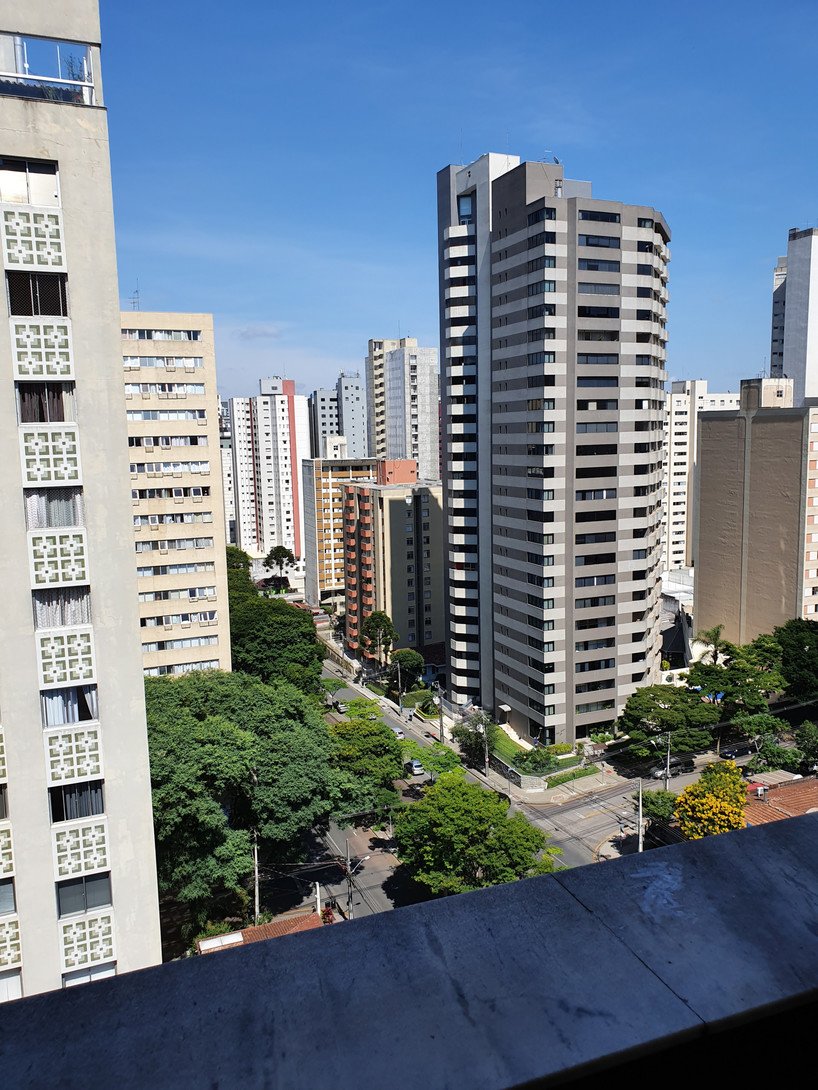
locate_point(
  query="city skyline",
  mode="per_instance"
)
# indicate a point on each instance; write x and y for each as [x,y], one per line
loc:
[693,140]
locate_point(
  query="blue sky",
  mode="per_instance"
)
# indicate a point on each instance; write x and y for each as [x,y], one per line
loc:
[275,163]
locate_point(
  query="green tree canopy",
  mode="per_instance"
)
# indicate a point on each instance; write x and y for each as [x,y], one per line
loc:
[411,667]
[275,641]
[656,805]
[714,804]
[460,837]
[476,736]
[658,709]
[798,640]
[435,758]
[229,755]
[746,676]
[771,756]
[279,557]
[378,633]
[807,738]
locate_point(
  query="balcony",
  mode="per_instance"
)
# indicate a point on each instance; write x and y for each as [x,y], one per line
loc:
[73,752]
[49,454]
[43,68]
[80,847]
[41,349]
[65,656]
[57,557]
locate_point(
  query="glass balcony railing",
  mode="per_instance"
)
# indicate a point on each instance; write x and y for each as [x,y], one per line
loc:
[46,69]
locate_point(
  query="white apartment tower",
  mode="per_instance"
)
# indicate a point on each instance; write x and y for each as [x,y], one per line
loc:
[271,438]
[172,408]
[78,893]
[794,339]
[412,399]
[553,319]
[685,401]
[350,395]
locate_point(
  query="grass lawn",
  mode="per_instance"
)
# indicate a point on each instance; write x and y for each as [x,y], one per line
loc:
[566,777]
[506,749]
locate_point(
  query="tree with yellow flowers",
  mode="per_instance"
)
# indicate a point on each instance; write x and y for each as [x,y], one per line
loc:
[715,804]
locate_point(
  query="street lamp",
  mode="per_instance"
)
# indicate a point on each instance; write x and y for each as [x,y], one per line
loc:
[349,872]
[439,701]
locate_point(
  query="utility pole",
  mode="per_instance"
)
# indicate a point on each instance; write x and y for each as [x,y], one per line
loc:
[255,876]
[440,710]
[318,898]
[400,693]
[641,841]
[349,885]
[485,750]
[667,765]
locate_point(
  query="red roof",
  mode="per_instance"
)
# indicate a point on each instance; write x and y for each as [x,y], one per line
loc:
[783,800]
[283,925]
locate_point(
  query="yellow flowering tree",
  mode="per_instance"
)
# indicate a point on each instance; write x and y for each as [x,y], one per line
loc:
[715,804]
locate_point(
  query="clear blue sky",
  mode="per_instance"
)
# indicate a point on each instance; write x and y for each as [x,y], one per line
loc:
[275,162]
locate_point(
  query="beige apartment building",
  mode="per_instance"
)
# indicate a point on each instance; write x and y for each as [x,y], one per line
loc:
[78,891]
[756,526]
[393,535]
[172,409]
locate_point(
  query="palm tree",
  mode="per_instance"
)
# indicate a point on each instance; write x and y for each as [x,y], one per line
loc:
[712,637]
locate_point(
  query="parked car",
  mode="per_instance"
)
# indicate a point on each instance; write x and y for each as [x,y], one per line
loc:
[339,707]
[678,765]
[398,733]
[736,749]
[415,768]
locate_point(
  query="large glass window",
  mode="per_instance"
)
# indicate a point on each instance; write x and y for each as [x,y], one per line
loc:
[76,704]
[45,402]
[27,181]
[7,902]
[83,894]
[45,68]
[78,800]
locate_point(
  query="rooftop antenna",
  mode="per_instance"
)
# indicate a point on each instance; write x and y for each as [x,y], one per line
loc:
[135,298]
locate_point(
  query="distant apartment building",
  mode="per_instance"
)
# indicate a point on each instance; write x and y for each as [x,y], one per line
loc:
[794,338]
[172,409]
[685,401]
[394,556]
[271,438]
[324,479]
[412,398]
[226,453]
[756,525]
[339,412]
[376,394]
[553,328]
[78,890]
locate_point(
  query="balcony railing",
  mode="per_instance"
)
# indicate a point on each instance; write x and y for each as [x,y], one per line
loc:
[46,69]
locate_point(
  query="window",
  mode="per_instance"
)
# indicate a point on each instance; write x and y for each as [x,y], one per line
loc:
[4,805]
[597,312]
[593,264]
[51,507]
[27,181]
[45,402]
[598,240]
[537,359]
[83,894]
[542,286]
[598,289]
[85,976]
[7,900]
[74,801]
[597,335]
[644,222]
[47,69]
[540,215]
[77,704]
[61,607]
[538,263]
[465,209]
[597,380]
[542,238]
[162,334]
[599,216]
[595,450]
[41,293]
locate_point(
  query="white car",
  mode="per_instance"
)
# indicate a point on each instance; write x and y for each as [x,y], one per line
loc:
[398,733]
[416,768]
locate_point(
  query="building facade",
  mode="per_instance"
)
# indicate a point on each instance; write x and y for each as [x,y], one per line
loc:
[350,393]
[226,455]
[393,539]
[172,409]
[412,400]
[685,400]
[78,892]
[553,323]
[271,437]
[756,526]
[794,339]
[322,406]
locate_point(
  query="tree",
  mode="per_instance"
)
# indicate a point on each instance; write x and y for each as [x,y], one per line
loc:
[460,837]
[274,640]
[411,666]
[714,804]
[231,756]
[332,685]
[368,758]
[238,560]
[798,640]
[712,637]
[746,678]
[807,738]
[661,709]
[435,758]
[378,633]
[279,557]
[656,805]
[476,736]
[772,756]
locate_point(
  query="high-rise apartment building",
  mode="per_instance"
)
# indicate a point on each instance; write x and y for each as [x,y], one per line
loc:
[685,401]
[794,339]
[324,479]
[226,455]
[376,393]
[271,437]
[393,536]
[412,399]
[339,412]
[78,893]
[756,524]
[552,311]
[172,408]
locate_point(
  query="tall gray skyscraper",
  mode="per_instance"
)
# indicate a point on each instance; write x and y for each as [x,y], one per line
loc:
[552,307]
[341,411]
[412,396]
[78,893]
[794,338]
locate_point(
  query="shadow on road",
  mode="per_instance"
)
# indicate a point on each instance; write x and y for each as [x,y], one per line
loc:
[402,889]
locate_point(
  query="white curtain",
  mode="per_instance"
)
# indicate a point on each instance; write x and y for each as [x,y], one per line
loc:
[61,608]
[74,705]
[47,508]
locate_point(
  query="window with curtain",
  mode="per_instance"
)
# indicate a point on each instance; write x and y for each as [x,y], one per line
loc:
[61,607]
[76,704]
[83,894]
[47,508]
[45,402]
[71,802]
